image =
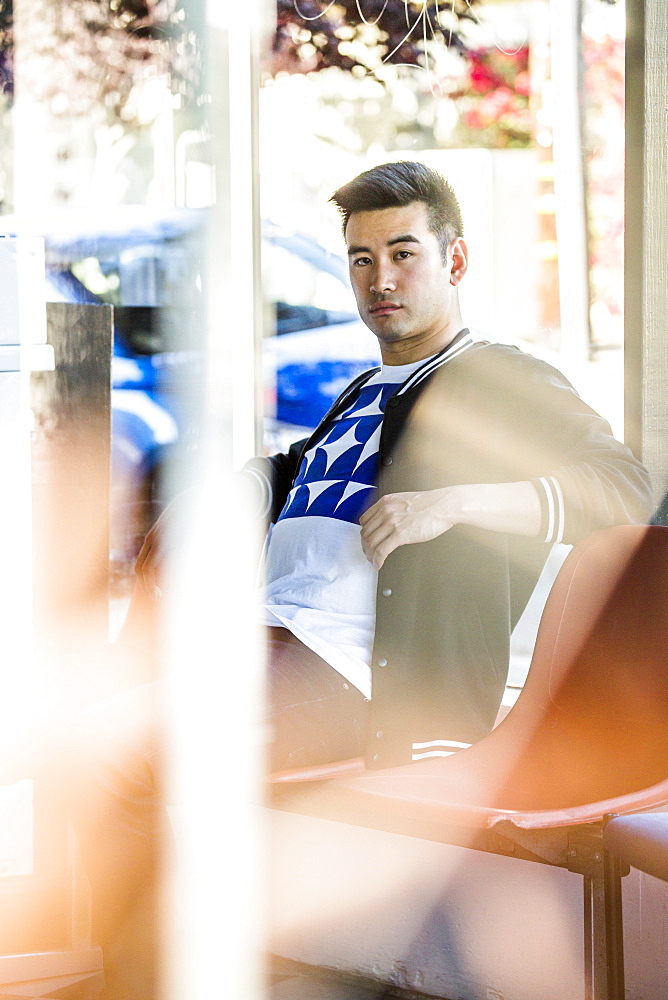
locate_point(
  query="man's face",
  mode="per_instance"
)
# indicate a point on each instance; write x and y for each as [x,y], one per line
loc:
[406,293]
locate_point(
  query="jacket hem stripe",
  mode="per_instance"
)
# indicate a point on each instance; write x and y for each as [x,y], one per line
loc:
[441,743]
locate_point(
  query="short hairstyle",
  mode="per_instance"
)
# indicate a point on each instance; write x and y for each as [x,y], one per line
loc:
[393,185]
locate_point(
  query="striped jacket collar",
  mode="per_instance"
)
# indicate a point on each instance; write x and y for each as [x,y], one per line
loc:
[459,345]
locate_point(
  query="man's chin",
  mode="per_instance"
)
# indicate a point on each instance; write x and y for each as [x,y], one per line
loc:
[385,332]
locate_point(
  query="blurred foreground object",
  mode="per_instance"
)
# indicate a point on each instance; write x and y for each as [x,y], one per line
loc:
[44,903]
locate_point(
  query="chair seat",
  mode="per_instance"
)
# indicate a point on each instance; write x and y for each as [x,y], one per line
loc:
[640,841]
[438,794]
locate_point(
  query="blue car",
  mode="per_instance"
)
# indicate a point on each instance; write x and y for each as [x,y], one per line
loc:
[320,343]
[148,266]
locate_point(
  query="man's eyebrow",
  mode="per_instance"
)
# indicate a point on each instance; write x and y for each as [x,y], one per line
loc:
[405,238]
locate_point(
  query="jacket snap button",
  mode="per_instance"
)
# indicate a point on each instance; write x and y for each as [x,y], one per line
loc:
[382,662]
[387,460]
[387,592]
[379,735]
[393,401]
[376,758]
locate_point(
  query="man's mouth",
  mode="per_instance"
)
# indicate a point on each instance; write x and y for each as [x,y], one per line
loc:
[383,308]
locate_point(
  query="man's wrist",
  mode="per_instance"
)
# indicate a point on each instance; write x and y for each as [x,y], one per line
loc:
[458,504]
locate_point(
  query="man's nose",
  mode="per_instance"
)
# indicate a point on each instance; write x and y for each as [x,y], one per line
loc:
[382,279]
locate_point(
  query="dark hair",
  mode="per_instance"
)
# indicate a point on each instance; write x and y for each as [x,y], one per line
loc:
[393,185]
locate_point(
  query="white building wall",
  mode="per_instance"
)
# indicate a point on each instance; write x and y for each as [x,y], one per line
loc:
[447,921]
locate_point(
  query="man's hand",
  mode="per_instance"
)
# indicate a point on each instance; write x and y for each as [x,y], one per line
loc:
[404,518]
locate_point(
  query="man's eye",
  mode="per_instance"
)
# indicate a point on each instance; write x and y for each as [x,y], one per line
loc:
[404,254]
[361,261]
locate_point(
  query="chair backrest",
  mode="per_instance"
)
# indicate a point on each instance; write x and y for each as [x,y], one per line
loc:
[593,715]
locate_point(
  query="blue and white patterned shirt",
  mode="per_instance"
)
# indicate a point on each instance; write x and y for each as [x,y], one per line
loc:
[319,583]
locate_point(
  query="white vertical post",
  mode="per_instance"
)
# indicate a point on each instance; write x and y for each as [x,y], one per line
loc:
[571,222]
[163,187]
[215,669]
[235,330]
[646,232]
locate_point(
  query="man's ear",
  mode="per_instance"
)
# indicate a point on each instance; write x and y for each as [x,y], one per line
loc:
[460,260]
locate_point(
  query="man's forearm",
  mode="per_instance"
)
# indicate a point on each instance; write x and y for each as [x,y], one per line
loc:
[511,507]
[406,518]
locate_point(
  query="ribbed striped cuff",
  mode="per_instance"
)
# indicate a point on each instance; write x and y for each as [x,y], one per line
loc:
[264,505]
[552,509]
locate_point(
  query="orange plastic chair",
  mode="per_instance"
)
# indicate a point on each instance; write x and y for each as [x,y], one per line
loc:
[586,741]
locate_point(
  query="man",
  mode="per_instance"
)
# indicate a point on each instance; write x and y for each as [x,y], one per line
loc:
[407,533]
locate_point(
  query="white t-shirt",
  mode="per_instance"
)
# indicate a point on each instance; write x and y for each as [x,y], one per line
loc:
[319,584]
